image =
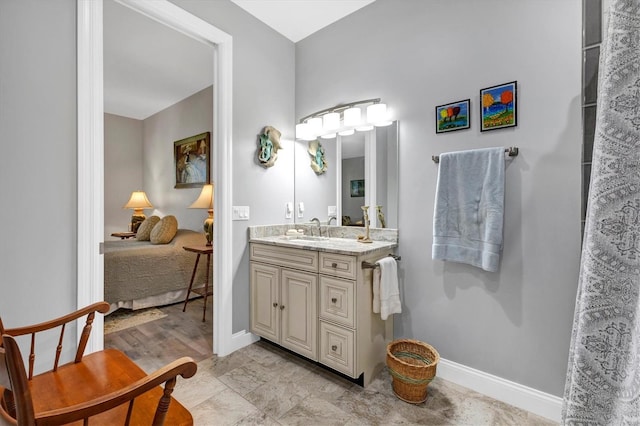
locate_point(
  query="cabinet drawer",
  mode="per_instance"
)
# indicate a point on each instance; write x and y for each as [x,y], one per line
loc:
[305,260]
[337,300]
[338,265]
[337,348]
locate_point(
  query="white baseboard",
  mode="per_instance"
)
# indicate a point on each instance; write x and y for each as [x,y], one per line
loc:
[241,339]
[532,400]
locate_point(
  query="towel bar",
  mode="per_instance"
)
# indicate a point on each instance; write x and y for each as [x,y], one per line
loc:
[512,151]
[367,265]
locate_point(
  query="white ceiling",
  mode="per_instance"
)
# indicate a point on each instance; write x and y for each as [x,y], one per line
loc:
[297,19]
[149,67]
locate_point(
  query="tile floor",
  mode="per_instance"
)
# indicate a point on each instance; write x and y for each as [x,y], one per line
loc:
[265,385]
[262,384]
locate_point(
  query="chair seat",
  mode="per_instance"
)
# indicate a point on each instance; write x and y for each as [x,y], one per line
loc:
[98,374]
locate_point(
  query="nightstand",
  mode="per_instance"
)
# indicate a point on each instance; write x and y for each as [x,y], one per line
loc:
[124,235]
[205,290]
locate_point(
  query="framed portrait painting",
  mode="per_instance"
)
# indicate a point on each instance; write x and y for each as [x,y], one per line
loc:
[453,116]
[192,161]
[357,188]
[498,107]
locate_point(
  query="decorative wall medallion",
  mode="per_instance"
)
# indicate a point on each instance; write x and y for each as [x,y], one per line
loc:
[318,162]
[268,146]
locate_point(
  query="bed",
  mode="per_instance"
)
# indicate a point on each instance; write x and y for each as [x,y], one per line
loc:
[138,274]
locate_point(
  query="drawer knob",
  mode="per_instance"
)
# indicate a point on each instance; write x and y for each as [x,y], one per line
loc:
[281,307]
[334,348]
[334,299]
[275,304]
[334,265]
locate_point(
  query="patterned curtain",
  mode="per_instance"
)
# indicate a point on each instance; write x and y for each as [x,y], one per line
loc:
[603,377]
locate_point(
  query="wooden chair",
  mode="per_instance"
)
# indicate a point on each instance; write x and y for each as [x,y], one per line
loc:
[101,387]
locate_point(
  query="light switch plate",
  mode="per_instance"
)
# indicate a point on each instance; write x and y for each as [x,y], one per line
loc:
[300,209]
[288,210]
[240,213]
[332,210]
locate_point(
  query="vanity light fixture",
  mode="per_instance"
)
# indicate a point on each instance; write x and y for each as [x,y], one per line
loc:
[327,123]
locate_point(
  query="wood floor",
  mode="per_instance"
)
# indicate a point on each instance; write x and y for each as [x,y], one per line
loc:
[156,343]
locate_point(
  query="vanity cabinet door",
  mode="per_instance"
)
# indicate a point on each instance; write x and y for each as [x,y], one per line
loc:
[337,300]
[265,301]
[298,301]
[337,348]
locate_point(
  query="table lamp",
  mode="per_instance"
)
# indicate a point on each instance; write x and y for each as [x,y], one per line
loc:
[138,202]
[205,201]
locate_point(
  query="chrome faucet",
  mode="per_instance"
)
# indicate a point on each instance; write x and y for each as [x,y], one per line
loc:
[330,219]
[317,221]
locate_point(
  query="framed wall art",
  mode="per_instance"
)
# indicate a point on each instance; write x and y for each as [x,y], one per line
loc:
[357,188]
[498,107]
[453,116]
[192,162]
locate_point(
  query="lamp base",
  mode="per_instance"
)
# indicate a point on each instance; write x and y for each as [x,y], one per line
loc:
[208,228]
[136,221]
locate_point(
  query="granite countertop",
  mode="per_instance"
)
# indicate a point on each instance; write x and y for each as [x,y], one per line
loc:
[330,245]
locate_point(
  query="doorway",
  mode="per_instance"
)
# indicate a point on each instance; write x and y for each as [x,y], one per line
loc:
[91,157]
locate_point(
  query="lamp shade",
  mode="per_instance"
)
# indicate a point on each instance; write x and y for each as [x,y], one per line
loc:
[377,113]
[138,200]
[315,126]
[330,122]
[205,200]
[303,132]
[352,116]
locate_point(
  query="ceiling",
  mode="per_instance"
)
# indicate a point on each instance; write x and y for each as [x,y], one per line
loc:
[149,67]
[297,19]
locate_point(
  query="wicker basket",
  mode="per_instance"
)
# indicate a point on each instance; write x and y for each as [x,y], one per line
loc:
[412,365]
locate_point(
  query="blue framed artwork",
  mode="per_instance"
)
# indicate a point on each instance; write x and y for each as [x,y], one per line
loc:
[498,107]
[453,116]
[357,188]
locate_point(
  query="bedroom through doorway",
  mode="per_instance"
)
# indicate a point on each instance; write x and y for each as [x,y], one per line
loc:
[158,89]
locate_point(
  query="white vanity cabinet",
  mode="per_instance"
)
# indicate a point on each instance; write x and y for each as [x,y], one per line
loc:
[284,286]
[319,305]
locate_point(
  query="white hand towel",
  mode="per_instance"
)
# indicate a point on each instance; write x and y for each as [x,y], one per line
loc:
[469,208]
[376,290]
[389,291]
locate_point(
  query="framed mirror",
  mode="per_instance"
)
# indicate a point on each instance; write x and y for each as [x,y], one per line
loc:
[365,162]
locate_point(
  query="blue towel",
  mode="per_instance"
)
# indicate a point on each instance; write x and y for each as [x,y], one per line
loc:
[469,208]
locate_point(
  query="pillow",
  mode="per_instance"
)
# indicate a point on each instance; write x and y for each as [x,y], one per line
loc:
[144,230]
[164,231]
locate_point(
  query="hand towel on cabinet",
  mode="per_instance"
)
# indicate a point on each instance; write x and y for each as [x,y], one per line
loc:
[386,293]
[469,208]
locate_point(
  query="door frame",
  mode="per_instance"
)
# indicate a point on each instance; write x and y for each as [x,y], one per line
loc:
[90,180]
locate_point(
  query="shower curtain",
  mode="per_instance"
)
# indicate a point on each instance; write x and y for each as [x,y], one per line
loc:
[603,377]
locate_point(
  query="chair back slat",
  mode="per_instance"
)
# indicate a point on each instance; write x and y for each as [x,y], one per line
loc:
[84,337]
[32,355]
[59,348]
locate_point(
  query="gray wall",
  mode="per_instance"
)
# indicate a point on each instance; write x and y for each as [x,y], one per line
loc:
[38,103]
[189,117]
[514,323]
[38,175]
[123,167]
[263,94]
[139,156]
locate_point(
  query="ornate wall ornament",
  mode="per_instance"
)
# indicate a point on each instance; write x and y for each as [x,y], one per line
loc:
[268,146]
[318,162]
